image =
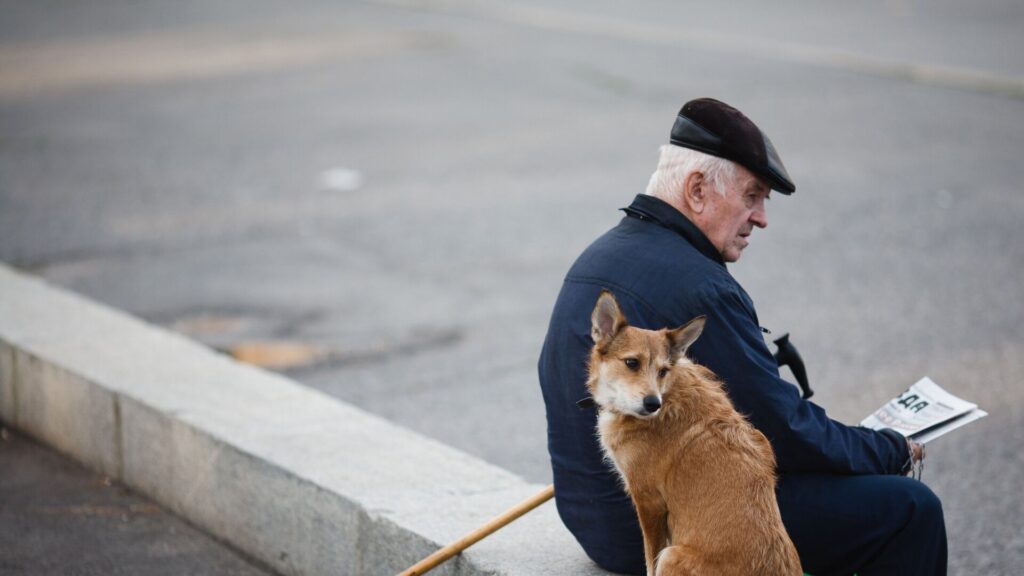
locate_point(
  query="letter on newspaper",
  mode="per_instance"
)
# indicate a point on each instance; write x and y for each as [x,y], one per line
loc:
[924,412]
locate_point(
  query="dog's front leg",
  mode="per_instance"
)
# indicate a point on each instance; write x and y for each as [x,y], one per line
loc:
[653,515]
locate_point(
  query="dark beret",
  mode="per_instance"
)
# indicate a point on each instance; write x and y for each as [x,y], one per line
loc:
[718,129]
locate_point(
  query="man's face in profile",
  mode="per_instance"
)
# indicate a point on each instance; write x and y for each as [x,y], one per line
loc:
[731,217]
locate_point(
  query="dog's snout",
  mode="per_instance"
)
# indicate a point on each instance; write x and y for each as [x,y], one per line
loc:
[652,403]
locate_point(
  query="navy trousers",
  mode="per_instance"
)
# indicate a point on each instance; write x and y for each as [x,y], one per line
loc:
[874,525]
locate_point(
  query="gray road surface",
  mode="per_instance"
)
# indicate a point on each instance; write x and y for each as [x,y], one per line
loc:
[57,518]
[397,187]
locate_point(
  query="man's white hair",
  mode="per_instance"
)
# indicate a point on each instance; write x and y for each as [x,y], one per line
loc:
[675,163]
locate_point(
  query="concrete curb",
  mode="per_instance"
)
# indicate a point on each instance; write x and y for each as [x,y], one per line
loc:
[295,478]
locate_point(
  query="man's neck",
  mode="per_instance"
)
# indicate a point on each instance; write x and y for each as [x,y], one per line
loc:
[666,214]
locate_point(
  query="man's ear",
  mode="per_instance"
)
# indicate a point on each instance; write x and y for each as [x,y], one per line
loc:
[695,190]
[607,319]
[681,338]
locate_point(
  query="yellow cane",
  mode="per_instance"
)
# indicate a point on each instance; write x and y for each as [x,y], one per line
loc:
[496,523]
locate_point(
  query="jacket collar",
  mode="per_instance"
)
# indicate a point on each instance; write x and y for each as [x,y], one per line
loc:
[647,207]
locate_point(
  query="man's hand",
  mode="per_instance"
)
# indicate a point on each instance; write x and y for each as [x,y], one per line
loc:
[915,464]
[916,451]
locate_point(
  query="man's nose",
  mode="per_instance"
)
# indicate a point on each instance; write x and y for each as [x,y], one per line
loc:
[759,217]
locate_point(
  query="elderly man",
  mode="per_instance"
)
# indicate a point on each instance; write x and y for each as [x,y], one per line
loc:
[842,491]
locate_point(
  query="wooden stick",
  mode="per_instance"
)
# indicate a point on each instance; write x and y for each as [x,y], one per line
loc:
[492,526]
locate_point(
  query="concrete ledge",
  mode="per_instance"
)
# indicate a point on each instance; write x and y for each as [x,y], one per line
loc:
[296,479]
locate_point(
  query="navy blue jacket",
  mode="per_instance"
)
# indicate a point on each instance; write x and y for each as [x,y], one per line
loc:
[664,272]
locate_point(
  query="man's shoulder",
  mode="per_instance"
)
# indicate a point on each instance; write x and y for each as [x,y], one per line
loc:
[652,265]
[637,246]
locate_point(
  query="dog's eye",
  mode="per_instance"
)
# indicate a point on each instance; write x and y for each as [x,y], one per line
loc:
[632,363]
[663,372]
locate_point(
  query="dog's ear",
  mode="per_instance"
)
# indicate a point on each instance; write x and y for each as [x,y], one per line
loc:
[607,319]
[681,338]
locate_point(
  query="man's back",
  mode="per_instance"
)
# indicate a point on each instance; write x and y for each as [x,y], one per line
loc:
[650,267]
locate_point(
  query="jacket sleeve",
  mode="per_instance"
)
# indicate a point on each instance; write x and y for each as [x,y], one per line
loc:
[804,438]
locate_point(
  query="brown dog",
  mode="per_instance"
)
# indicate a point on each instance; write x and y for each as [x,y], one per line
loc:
[701,477]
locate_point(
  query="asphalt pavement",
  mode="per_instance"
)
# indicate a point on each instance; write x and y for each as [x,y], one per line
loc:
[58,518]
[380,198]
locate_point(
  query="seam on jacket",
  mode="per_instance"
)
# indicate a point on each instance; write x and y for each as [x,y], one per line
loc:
[601,282]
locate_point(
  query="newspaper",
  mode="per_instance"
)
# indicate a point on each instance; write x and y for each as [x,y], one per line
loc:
[924,412]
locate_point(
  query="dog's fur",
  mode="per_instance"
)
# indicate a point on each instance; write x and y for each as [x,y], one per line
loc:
[701,477]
